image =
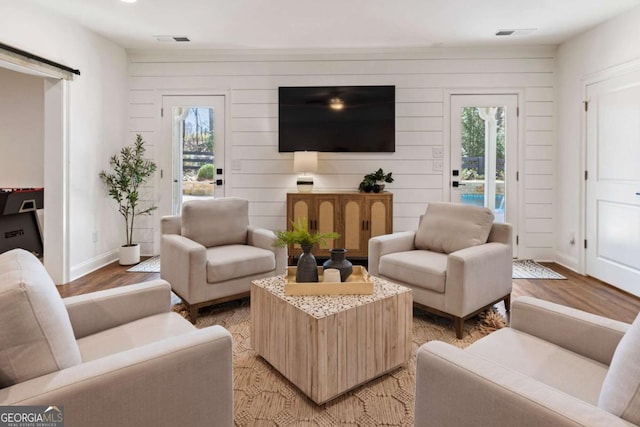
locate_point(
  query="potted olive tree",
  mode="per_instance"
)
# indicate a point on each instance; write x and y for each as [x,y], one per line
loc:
[130,171]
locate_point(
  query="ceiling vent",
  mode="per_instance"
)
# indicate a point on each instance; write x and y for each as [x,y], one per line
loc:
[172,39]
[515,32]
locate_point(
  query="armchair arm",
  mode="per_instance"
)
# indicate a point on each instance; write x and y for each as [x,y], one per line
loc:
[477,276]
[387,244]
[455,388]
[263,238]
[184,380]
[98,311]
[183,264]
[593,336]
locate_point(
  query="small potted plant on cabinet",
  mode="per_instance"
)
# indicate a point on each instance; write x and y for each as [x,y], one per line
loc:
[130,171]
[307,268]
[374,182]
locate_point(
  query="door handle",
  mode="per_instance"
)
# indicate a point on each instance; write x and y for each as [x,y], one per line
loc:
[457,184]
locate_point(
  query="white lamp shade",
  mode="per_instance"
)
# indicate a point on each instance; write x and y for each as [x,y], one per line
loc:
[305,161]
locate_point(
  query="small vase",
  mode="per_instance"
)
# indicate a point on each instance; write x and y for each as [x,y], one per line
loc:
[339,262]
[307,268]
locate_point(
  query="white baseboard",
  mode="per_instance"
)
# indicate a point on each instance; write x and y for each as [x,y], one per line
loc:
[572,263]
[92,264]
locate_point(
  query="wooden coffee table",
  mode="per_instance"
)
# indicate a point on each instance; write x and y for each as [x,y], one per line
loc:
[327,345]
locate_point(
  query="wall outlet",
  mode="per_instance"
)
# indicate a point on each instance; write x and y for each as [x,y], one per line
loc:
[94,237]
[572,238]
[236,164]
[438,165]
[437,152]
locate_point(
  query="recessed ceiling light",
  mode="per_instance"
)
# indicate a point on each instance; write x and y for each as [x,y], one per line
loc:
[128,1]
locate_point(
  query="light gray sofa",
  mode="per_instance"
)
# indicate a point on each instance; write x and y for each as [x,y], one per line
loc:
[457,263]
[555,366]
[112,358]
[210,253]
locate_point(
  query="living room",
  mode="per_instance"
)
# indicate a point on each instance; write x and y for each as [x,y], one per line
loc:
[121,91]
[127,85]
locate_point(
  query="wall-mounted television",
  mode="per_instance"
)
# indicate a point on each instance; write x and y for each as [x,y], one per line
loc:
[337,118]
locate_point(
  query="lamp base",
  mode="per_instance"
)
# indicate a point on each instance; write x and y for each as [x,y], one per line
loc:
[305,184]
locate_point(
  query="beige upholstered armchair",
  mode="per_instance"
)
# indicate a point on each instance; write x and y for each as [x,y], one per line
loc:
[555,366]
[211,254]
[458,262]
[118,357]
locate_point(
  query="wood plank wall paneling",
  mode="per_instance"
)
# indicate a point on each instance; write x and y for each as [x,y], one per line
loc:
[421,77]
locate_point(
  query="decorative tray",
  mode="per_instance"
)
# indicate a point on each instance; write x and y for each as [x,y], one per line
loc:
[358,283]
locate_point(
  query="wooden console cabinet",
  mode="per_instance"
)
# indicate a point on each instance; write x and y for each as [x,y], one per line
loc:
[354,215]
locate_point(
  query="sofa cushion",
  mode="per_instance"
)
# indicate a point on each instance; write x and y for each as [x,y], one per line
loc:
[543,361]
[36,336]
[215,222]
[424,269]
[235,261]
[620,393]
[449,227]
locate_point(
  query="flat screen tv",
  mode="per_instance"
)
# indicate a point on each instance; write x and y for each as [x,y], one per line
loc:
[337,118]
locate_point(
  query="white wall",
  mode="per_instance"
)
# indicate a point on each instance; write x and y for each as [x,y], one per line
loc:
[95,122]
[422,79]
[21,130]
[610,44]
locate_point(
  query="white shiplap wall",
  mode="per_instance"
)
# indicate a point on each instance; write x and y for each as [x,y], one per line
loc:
[422,78]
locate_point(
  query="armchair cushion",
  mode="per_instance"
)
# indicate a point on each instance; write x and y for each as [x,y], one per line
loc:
[36,337]
[215,222]
[620,393]
[449,227]
[134,334]
[424,269]
[543,361]
[235,261]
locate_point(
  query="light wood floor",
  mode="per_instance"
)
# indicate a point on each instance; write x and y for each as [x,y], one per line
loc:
[584,293]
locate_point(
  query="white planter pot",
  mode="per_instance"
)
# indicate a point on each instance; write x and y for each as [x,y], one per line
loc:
[129,255]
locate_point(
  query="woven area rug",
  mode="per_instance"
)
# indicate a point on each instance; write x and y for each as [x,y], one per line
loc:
[528,269]
[151,265]
[263,397]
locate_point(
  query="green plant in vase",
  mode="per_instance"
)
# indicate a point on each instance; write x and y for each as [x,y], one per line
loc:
[306,270]
[374,182]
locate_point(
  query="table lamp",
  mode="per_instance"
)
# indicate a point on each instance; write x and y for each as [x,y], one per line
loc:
[305,161]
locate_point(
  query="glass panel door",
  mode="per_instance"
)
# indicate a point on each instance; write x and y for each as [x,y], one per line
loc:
[195,125]
[483,153]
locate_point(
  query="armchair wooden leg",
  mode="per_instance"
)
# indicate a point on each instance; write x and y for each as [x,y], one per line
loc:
[193,313]
[507,303]
[459,326]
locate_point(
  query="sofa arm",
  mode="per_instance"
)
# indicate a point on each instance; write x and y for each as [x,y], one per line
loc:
[477,276]
[263,238]
[455,388]
[183,264]
[97,311]
[387,244]
[593,336]
[181,381]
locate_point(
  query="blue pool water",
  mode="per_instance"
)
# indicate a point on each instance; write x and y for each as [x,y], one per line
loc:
[478,200]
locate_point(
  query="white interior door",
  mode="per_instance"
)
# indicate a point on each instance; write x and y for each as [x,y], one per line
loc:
[192,150]
[613,184]
[484,145]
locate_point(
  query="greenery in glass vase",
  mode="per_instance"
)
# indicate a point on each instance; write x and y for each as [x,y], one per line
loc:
[300,234]
[130,171]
